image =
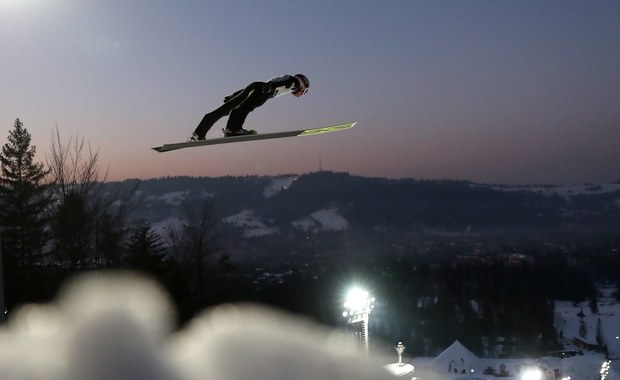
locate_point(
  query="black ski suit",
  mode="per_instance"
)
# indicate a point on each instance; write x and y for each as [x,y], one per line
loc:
[241,103]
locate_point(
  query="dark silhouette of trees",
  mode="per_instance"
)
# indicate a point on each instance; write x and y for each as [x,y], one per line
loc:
[23,202]
[71,228]
[23,199]
[146,250]
[88,223]
[593,303]
[600,338]
[194,248]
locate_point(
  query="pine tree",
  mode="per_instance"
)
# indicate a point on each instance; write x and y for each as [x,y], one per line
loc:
[593,304]
[583,329]
[22,197]
[600,338]
[145,250]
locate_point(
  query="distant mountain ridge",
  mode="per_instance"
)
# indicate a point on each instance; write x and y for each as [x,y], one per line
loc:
[336,202]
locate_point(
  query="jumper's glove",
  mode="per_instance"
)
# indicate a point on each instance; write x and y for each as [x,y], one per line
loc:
[227,98]
[266,88]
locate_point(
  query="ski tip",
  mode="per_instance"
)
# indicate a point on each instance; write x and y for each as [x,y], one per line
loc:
[157,148]
[331,128]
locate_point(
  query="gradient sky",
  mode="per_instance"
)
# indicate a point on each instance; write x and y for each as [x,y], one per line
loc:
[514,92]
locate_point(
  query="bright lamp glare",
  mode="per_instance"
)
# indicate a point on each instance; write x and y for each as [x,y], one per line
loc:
[531,374]
[357,299]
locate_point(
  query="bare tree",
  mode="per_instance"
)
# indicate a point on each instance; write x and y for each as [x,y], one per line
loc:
[88,220]
[73,165]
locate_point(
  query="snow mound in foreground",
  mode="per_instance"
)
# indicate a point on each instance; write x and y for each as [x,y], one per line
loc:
[120,326]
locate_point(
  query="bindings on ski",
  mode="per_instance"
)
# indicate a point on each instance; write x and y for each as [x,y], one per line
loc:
[241,132]
[195,137]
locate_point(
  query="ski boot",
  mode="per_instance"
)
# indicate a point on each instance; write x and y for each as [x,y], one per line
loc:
[195,137]
[241,132]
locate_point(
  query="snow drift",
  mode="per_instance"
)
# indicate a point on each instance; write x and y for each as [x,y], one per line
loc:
[120,326]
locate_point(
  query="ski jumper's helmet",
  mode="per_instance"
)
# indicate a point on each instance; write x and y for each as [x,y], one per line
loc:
[304,84]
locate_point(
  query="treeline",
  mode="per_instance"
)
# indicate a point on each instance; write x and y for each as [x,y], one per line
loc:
[495,307]
[497,301]
[57,220]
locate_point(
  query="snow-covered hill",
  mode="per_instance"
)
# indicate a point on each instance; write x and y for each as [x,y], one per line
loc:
[252,225]
[327,201]
[318,221]
[569,317]
[565,191]
[278,184]
[322,220]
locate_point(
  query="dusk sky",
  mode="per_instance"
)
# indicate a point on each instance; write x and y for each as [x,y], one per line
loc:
[512,92]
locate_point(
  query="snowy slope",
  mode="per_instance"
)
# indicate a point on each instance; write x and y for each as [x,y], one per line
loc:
[567,320]
[586,366]
[278,185]
[253,226]
[319,221]
[314,203]
[322,220]
[174,198]
[566,191]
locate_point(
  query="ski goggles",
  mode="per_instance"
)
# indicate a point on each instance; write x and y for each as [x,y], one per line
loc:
[301,91]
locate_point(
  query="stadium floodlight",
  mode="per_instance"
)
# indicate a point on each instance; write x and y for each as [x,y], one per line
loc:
[357,307]
[358,302]
[532,374]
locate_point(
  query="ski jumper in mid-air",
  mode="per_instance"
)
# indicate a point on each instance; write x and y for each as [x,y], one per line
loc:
[239,104]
